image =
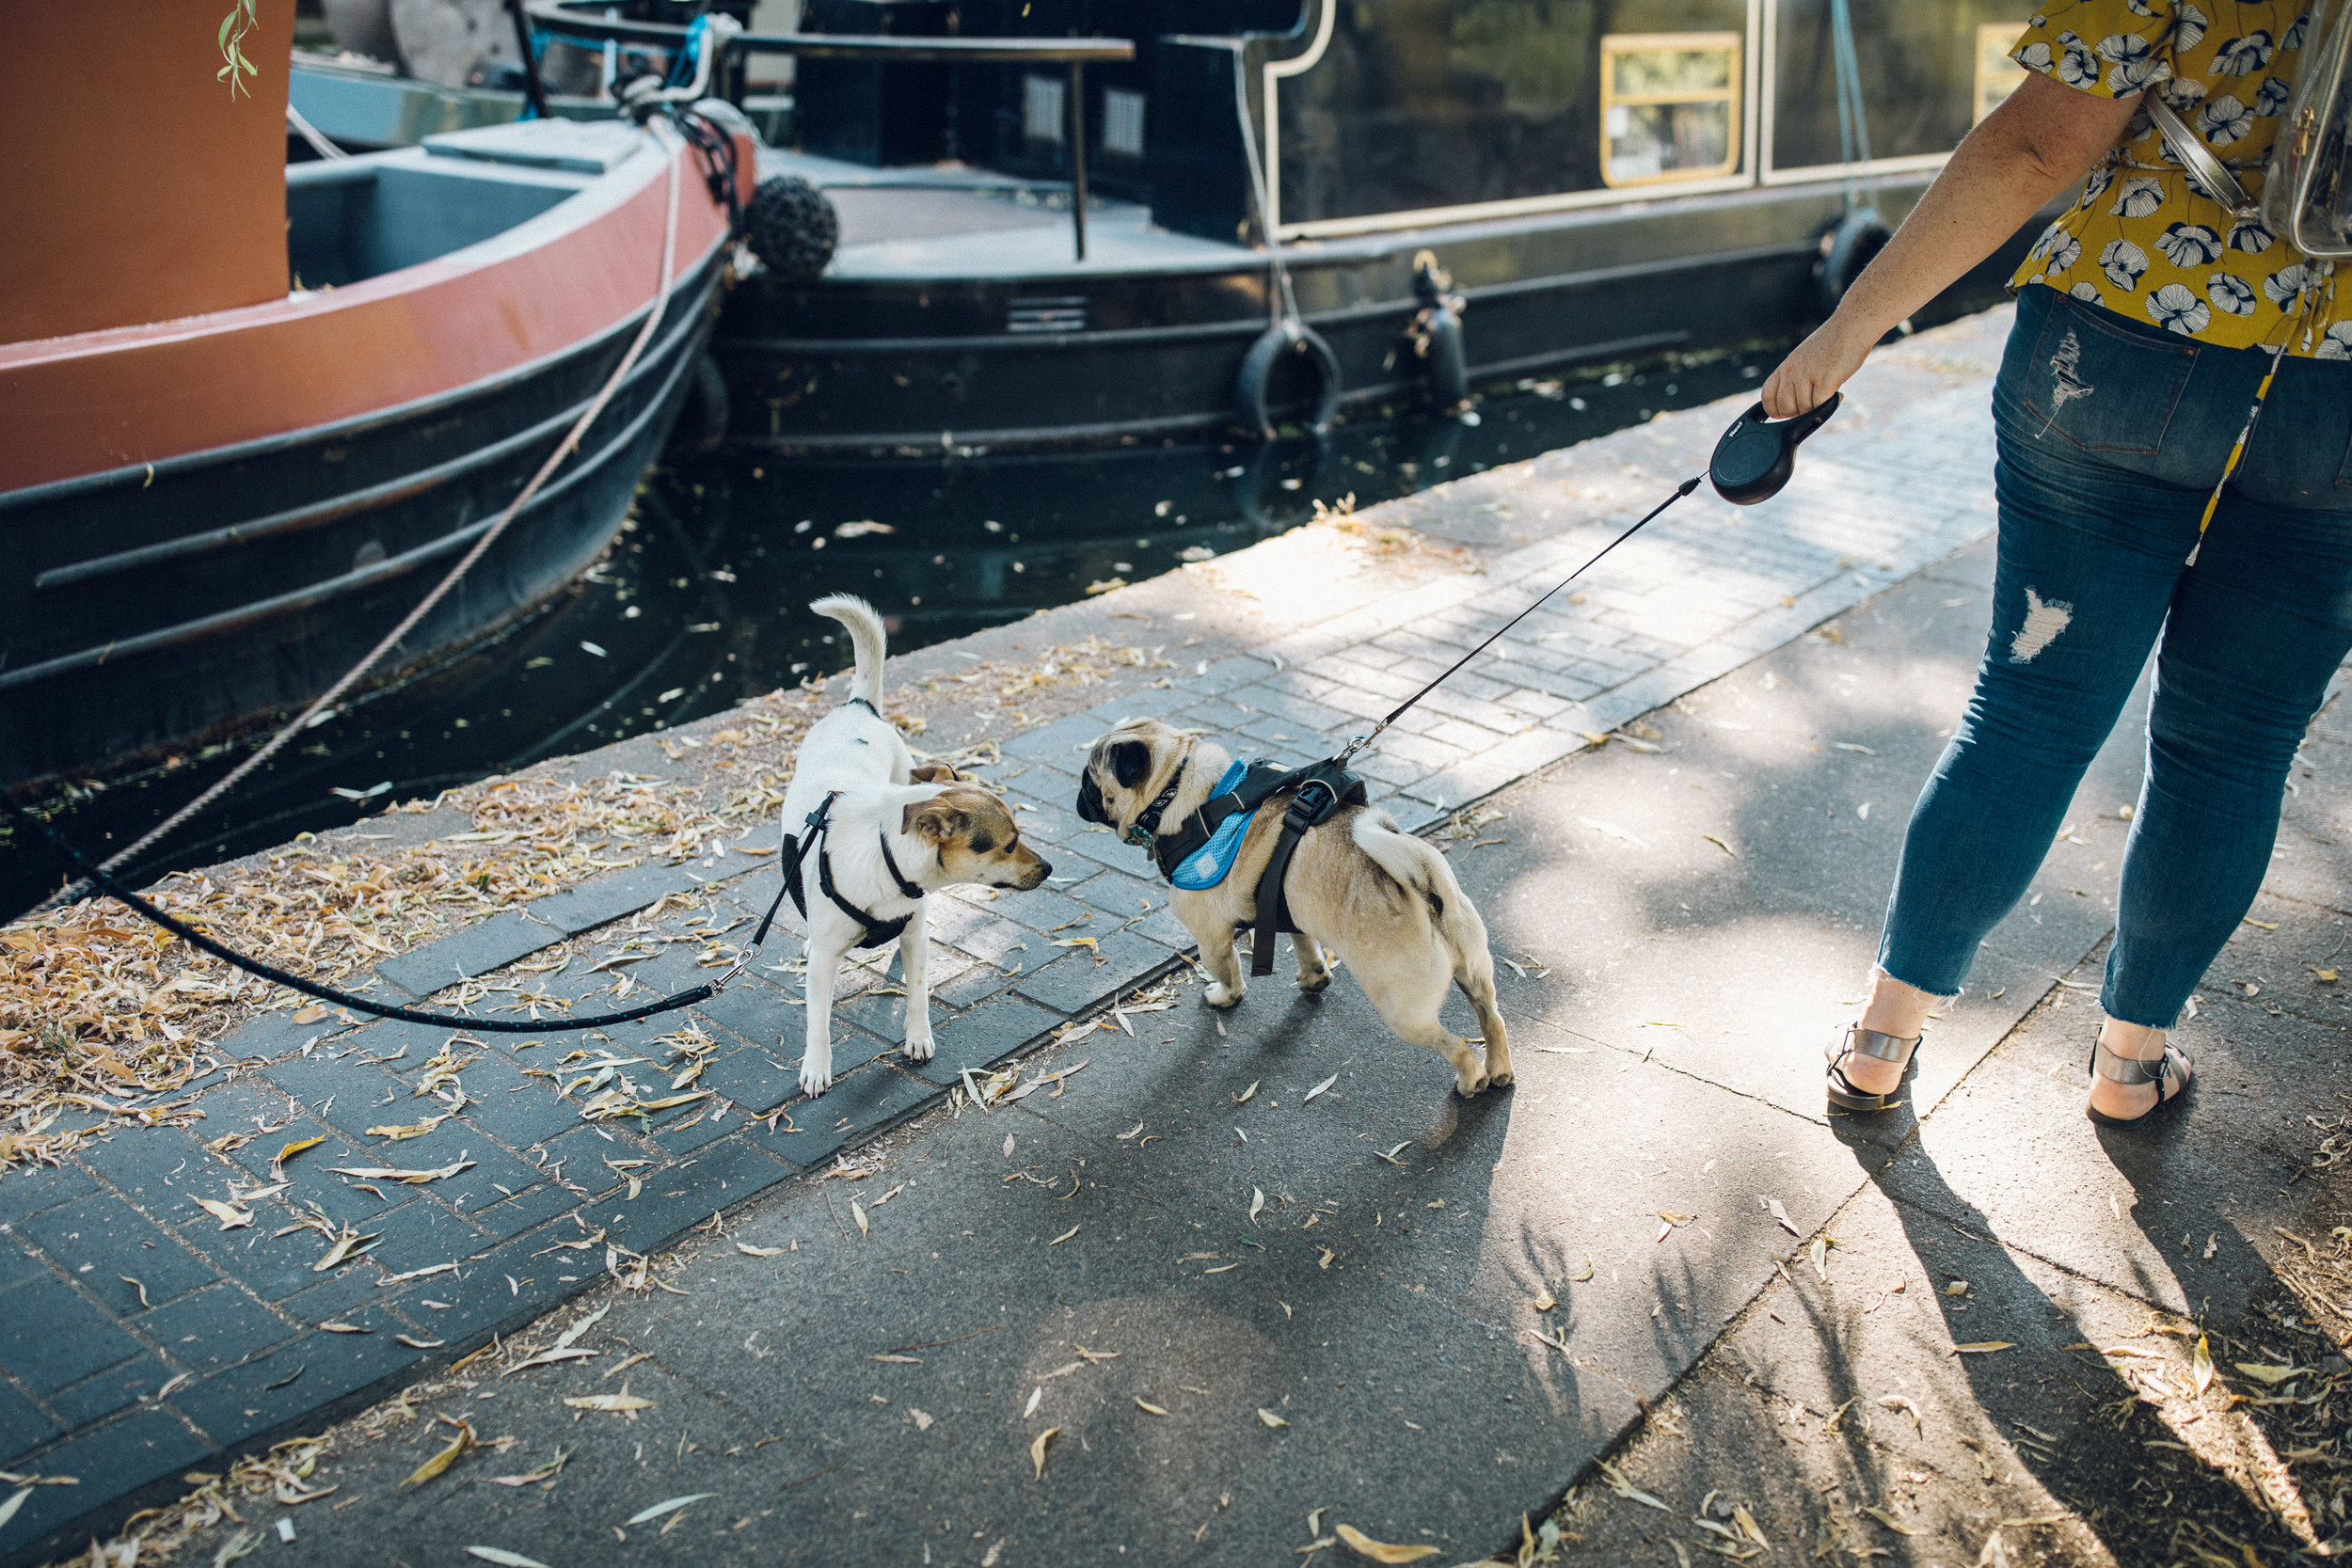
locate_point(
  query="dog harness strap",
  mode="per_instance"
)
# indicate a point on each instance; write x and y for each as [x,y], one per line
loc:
[1323,787]
[905,887]
[1260,780]
[801,847]
[877,931]
[1145,828]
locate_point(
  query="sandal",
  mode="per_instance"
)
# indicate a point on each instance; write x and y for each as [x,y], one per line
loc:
[1856,1040]
[2168,1073]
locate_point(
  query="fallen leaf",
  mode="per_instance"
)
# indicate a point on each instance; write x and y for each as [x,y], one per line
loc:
[1720,844]
[1037,1450]
[1324,1262]
[414,1343]
[1897,1402]
[1889,1520]
[1257,1203]
[293,1149]
[1780,1213]
[1063,1237]
[610,1402]
[418,1273]
[1983,1347]
[1320,1088]
[1585,1274]
[1543,1302]
[922,1418]
[858,1214]
[1626,1490]
[345,1328]
[229,1216]
[414,1178]
[550,1357]
[8,1510]
[1746,1521]
[1036,1395]
[2271,1375]
[1122,1137]
[1270,1418]
[1957,1288]
[644,1516]
[1381,1551]
[1244,1098]
[347,1247]
[2200,1364]
[442,1460]
[908,1360]
[311,1014]
[1147,1407]
[1818,1253]
[750,1251]
[503,1558]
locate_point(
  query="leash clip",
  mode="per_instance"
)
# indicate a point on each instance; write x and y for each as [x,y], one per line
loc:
[743,961]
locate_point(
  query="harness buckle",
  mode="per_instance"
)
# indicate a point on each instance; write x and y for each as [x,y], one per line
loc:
[1141,836]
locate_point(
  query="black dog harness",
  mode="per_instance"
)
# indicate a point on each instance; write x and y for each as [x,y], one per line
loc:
[1316,792]
[819,823]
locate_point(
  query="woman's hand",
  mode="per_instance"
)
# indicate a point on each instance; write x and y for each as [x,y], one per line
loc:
[1816,368]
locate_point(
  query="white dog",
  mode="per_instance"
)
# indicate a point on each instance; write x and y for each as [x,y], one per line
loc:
[889,834]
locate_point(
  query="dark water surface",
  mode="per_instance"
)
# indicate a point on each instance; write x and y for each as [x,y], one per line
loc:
[702,603]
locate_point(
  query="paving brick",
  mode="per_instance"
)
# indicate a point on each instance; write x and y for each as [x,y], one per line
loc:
[520,1112]
[982,1035]
[1486,773]
[336,1296]
[22,1426]
[152,1165]
[450,1143]
[759,1011]
[16,1264]
[214,1328]
[498,1292]
[275,1034]
[28,1189]
[1076,985]
[579,1158]
[310,1176]
[314,1374]
[717,1178]
[519,1213]
[1057,740]
[115,1463]
[689,1127]
[420,1234]
[100,1239]
[853,1110]
[1116,893]
[401,1048]
[990,941]
[51,1336]
[755,1081]
[1040,911]
[489,944]
[119,1387]
[607,899]
[340,1087]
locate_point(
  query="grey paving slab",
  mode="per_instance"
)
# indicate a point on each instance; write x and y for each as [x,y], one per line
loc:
[118,1254]
[214,1328]
[608,898]
[984,1035]
[316,1370]
[854,1109]
[1089,975]
[476,950]
[137,1458]
[51,1336]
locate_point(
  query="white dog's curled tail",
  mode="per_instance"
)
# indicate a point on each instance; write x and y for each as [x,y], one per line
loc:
[1416,865]
[865,636]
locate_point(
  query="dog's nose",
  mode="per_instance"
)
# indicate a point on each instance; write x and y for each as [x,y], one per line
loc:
[1089,800]
[1045,869]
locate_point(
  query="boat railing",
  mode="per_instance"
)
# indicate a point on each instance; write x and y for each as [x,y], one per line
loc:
[574,18]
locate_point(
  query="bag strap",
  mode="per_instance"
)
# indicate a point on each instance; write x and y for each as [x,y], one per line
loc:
[2207,172]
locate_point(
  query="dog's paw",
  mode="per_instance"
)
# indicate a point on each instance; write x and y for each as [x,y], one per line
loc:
[1314,983]
[815,1079]
[919,1049]
[1500,1080]
[1215,995]
[1469,1085]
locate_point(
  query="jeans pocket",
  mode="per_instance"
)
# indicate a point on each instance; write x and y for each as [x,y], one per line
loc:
[2099,383]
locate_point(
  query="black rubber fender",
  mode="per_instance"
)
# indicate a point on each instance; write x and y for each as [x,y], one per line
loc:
[1449,369]
[1257,373]
[792,226]
[1846,250]
[703,424]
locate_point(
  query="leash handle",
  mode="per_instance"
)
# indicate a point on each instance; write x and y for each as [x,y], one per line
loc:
[1363,740]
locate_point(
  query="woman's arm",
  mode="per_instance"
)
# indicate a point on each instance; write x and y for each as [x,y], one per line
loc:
[2038,143]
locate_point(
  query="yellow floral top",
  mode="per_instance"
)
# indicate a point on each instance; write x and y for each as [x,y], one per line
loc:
[2143,241]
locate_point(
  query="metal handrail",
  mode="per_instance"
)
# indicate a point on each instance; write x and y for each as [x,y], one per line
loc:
[560,16]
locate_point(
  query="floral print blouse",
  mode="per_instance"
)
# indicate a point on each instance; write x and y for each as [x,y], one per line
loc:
[2144,241]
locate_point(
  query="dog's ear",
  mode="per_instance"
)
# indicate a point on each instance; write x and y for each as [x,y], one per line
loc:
[938,821]
[1131,763]
[933,772]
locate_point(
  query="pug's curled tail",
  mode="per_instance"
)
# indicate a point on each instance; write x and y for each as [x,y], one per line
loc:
[1416,865]
[865,636]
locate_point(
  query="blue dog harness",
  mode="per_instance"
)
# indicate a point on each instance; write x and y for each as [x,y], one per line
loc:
[1211,863]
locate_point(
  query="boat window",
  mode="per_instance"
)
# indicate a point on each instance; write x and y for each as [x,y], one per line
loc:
[1997,75]
[1041,108]
[1669,106]
[1122,122]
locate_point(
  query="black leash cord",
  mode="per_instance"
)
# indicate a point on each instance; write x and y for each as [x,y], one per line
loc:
[343,998]
[1361,741]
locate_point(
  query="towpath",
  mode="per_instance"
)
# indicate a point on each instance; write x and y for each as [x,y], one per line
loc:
[1166,1303]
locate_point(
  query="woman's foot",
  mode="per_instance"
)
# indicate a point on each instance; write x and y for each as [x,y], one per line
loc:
[2132,1071]
[1894,1009]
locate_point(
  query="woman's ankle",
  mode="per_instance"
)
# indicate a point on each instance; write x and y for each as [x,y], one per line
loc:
[2137,1041]
[1895,1008]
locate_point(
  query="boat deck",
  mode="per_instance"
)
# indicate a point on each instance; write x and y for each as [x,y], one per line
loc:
[939,221]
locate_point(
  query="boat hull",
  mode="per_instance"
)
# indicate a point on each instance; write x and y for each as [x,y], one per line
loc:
[848,364]
[285,560]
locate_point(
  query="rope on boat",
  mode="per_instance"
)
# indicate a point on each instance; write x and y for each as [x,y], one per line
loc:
[323,706]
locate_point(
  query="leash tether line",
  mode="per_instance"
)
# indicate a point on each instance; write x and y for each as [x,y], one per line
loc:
[1398,712]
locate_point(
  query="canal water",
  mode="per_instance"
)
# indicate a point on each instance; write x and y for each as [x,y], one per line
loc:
[702,603]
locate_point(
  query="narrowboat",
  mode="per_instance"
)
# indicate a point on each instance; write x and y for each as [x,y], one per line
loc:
[251,413]
[1198,215]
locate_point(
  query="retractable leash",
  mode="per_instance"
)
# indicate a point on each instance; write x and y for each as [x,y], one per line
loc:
[1753,460]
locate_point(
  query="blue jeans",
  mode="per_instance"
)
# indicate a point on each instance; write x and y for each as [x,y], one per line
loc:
[2111,434]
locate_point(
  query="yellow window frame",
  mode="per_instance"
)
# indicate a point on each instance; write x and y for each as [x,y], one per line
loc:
[1614,44]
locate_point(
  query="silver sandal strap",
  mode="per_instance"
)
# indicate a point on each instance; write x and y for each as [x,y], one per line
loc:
[1886,1048]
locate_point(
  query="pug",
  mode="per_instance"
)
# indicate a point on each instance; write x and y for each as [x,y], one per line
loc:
[1358,885]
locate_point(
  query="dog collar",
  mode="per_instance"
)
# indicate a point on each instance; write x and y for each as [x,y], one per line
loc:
[1145,830]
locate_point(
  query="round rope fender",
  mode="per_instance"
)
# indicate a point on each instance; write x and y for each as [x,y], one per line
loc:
[1846,250]
[792,226]
[1257,373]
